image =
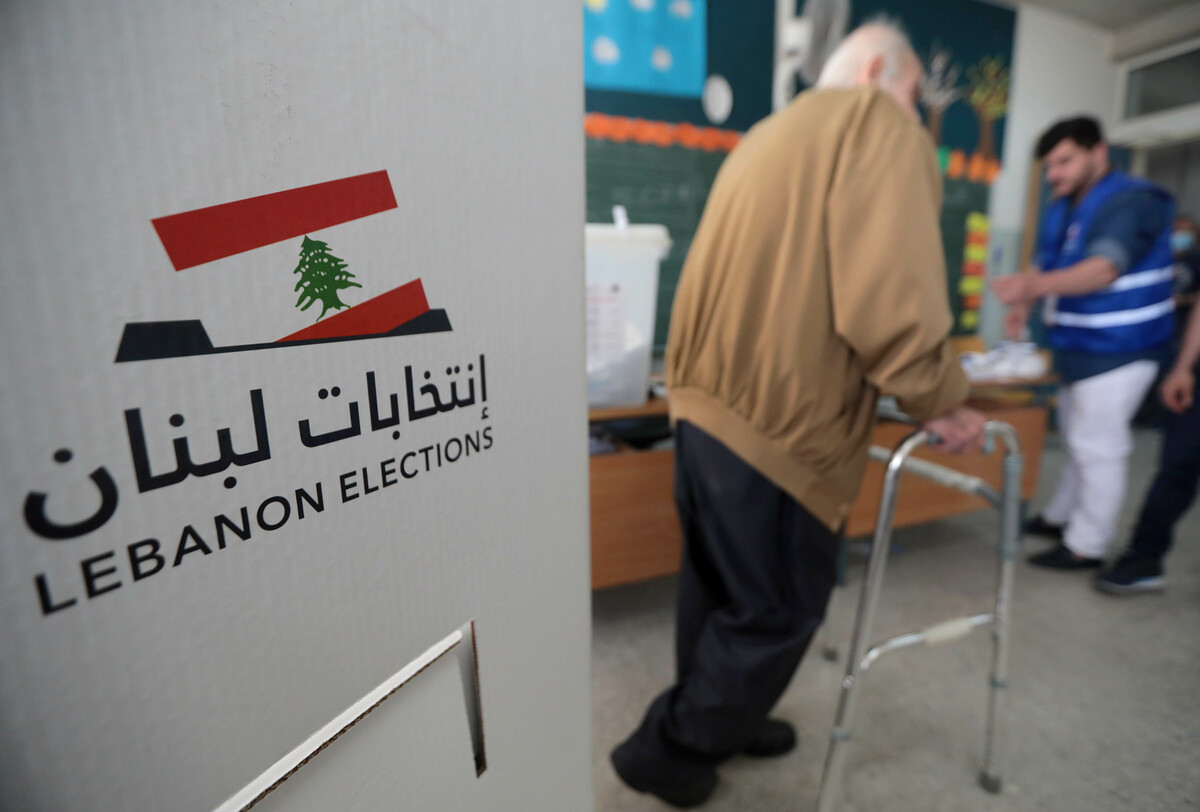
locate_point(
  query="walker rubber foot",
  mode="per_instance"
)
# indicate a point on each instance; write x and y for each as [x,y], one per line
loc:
[990,783]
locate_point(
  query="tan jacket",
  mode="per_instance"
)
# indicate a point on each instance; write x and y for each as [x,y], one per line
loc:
[816,281]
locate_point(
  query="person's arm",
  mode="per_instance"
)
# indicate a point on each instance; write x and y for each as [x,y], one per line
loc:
[1178,390]
[1083,277]
[1023,289]
[1016,317]
[1123,231]
[886,266]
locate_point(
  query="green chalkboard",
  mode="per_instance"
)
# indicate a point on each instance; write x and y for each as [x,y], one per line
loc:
[667,185]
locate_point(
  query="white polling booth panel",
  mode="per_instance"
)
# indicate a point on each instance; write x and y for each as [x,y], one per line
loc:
[292,412]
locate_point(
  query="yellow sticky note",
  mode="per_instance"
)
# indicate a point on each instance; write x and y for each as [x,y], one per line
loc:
[970,284]
[969,320]
[976,253]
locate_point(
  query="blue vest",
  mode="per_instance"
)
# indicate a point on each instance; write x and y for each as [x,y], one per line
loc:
[1137,311]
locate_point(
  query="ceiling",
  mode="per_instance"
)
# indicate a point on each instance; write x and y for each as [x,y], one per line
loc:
[1111,14]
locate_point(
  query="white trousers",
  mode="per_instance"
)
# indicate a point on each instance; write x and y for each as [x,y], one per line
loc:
[1094,417]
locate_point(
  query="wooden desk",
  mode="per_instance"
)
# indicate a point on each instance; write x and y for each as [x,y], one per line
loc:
[635,531]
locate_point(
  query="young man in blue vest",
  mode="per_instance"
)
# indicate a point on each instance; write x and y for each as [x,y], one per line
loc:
[1106,280]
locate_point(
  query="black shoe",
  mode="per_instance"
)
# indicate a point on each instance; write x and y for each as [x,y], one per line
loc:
[681,786]
[1130,575]
[1037,526]
[776,738]
[1061,558]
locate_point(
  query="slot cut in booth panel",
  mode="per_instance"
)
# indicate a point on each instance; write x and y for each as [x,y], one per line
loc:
[364,761]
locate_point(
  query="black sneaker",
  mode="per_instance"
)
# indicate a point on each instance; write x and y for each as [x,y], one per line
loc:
[1130,575]
[774,739]
[681,786]
[1061,558]
[1037,526]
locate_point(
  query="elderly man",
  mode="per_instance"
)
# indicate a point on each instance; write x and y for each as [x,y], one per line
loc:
[815,283]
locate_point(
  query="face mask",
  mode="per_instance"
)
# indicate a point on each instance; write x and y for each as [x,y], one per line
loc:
[1182,240]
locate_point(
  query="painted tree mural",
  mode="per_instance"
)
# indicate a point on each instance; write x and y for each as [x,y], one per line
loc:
[987,93]
[939,89]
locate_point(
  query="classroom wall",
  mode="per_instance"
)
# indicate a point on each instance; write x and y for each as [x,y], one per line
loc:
[654,149]
[653,146]
[1061,66]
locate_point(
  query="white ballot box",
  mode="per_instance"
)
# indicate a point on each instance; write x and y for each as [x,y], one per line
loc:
[622,296]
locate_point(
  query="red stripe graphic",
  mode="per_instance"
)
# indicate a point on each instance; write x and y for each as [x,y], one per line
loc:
[374,316]
[204,235]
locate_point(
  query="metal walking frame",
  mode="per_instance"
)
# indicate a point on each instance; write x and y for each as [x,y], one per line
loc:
[860,659]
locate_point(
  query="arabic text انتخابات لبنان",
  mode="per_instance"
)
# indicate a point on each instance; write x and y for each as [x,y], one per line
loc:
[146,557]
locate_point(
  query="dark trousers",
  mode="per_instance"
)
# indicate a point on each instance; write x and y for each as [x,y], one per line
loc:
[1174,488]
[756,576]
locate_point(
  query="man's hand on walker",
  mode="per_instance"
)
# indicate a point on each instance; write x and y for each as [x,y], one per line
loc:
[959,431]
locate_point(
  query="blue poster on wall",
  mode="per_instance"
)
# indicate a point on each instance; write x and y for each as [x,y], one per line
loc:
[646,46]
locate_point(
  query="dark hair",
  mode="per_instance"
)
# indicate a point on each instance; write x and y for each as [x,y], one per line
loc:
[1084,131]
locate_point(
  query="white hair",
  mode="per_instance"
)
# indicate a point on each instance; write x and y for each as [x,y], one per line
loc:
[880,36]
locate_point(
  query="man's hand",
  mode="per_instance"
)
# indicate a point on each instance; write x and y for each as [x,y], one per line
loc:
[959,431]
[1017,288]
[1179,389]
[1015,320]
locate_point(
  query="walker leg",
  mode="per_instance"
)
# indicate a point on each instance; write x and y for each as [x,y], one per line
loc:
[835,759]
[1010,532]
